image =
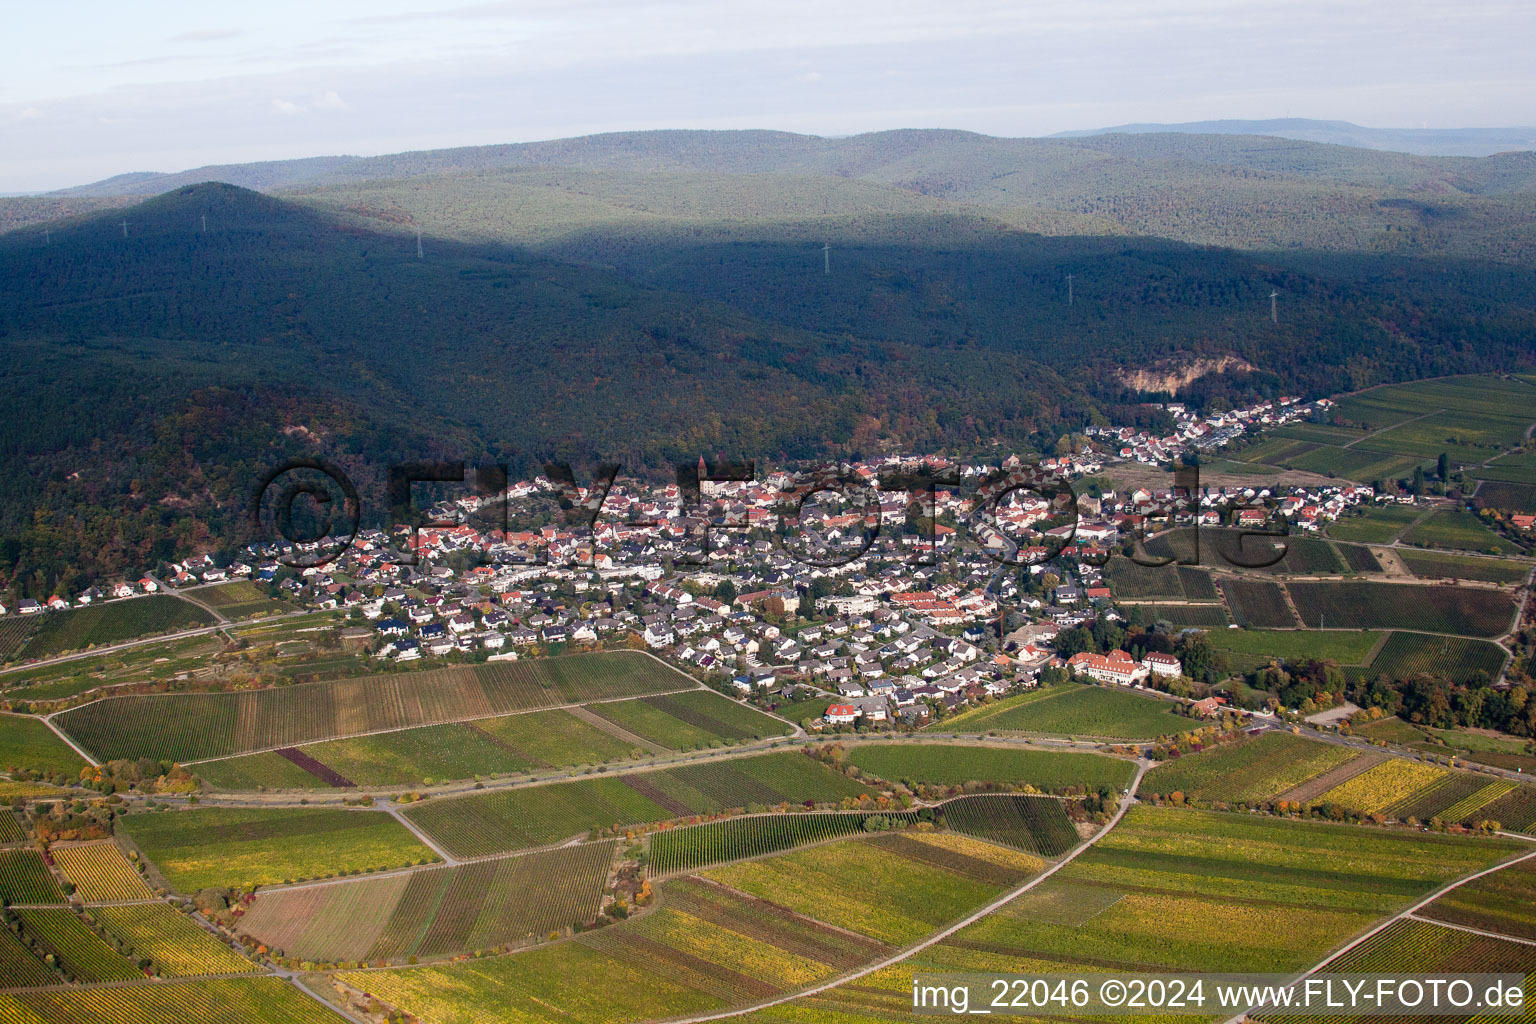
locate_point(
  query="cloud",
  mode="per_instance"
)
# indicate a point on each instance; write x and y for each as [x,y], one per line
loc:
[205,35]
[286,108]
[809,76]
[330,101]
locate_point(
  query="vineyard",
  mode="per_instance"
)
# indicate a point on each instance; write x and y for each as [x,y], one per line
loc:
[196,726]
[680,850]
[29,743]
[240,600]
[1431,609]
[245,847]
[79,952]
[24,878]
[110,623]
[689,721]
[1072,710]
[435,911]
[1435,565]
[950,765]
[507,820]
[1388,785]
[735,934]
[100,872]
[1250,770]
[178,947]
[269,1000]
[1035,824]
[1503,902]
[1258,604]
[1459,659]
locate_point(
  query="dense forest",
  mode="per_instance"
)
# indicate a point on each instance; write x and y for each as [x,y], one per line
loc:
[158,358]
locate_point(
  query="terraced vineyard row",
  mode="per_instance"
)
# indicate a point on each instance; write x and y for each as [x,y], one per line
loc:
[195,726]
[1033,823]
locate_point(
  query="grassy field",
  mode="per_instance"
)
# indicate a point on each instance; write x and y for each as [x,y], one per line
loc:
[434,911]
[29,743]
[1258,604]
[1294,646]
[557,739]
[266,770]
[241,599]
[1432,609]
[1438,565]
[1250,770]
[1048,771]
[1376,524]
[247,847]
[515,819]
[196,726]
[1072,710]
[157,661]
[110,623]
[269,1000]
[1456,530]
[436,753]
[179,947]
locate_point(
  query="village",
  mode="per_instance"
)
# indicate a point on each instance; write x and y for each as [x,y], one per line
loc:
[928,606]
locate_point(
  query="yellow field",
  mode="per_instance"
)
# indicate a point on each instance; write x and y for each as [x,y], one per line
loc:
[1382,786]
[981,850]
[172,940]
[100,872]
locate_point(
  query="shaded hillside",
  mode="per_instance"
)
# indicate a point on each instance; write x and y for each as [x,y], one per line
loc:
[151,378]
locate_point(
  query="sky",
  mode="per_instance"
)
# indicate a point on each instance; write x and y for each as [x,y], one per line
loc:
[91,89]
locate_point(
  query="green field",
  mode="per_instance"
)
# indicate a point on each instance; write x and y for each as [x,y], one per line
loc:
[1132,581]
[197,726]
[434,911]
[109,623]
[557,739]
[1456,530]
[1376,524]
[1249,770]
[1072,710]
[1431,609]
[246,847]
[29,743]
[1503,902]
[513,819]
[1439,565]
[947,765]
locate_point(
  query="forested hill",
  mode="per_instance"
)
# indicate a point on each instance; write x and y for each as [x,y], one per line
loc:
[158,358]
[1242,191]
